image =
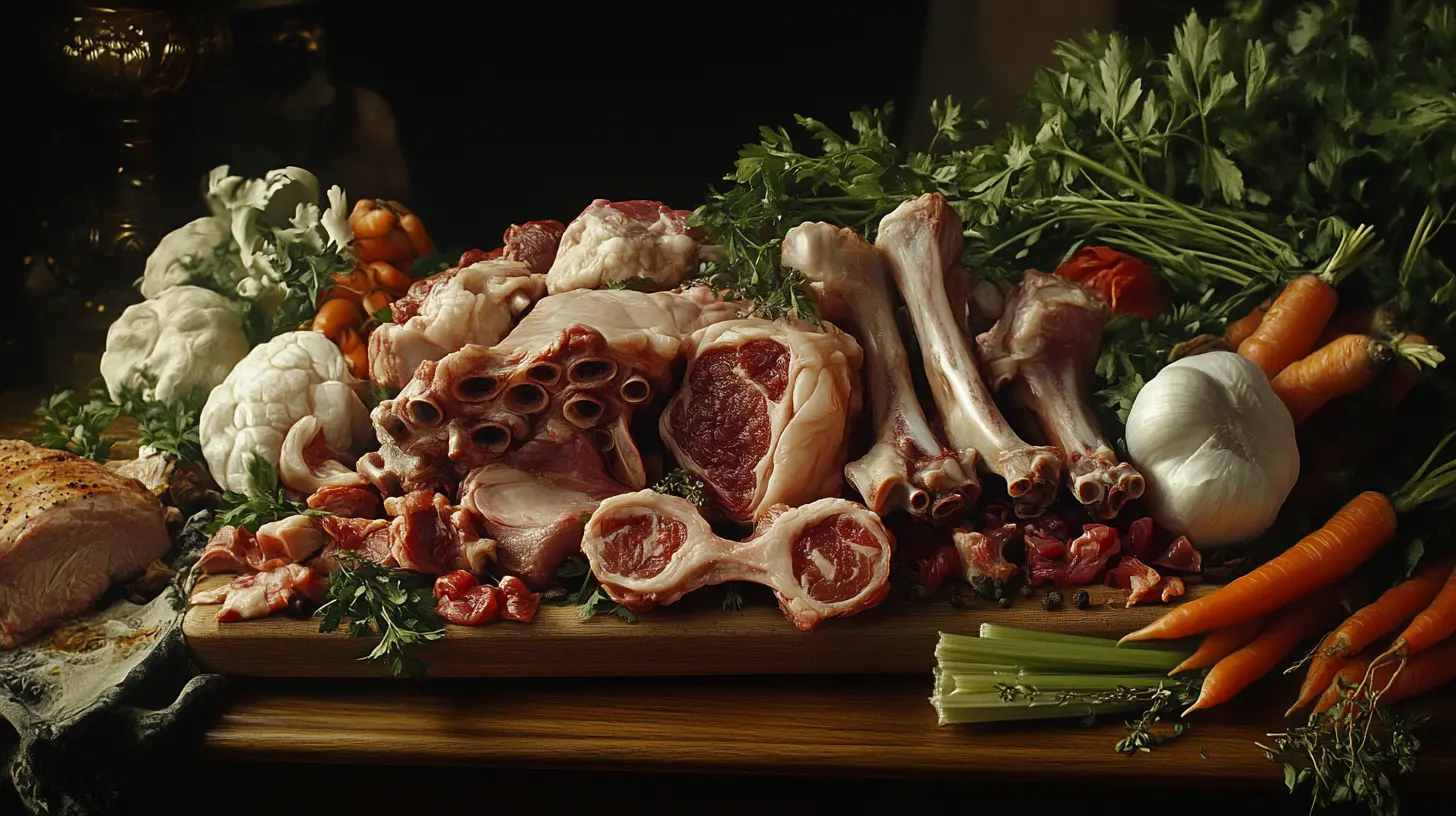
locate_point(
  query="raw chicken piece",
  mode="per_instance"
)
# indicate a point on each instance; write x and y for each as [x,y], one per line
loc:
[1045,346]
[68,529]
[764,411]
[623,240]
[473,305]
[260,594]
[921,239]
[588,358]
[535,501]
[823,560]
[908,467]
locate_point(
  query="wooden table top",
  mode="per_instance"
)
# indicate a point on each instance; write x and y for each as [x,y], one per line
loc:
[847,726]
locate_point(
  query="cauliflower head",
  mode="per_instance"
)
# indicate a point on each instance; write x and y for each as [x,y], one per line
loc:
[202,251]
[292,376]
[187,337]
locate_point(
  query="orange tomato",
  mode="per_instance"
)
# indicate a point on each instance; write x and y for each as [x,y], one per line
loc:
[389,277]
[336,316]
[1125,282]
[393,246]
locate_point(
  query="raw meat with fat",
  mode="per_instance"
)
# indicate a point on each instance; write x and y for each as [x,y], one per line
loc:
[920,240]
[69,528]
[534,502]
[763,413]
[1044,348]
[826,559]
[260,594]
[618,241]
[588,358]
[908,467]
[472,305]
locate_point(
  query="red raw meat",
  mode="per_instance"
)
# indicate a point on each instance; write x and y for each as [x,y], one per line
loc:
[368,537]
[983,554]
[1076,563]
[1137,578]
[428,535]
[260,594]
[521,603]
[1181,556]
[347,501]
[231,549]
[464,601]
[1171,587]
[944,563]
[1142,540]
[533,243]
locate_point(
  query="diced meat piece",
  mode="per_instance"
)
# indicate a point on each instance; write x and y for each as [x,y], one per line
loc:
[428,535]
[1181,556]
[290,540]
[995,515]
[1075,563]
[828,558]
[944,563]
[463,601]
[983,554]
[1142,542]
[69,528]
[1171,587]
[521,603]
[369,538]
[1138,579]
[260,594]
[764,412]
[617,241]
[349,502]
[475,305]
[231,549]
[534,244]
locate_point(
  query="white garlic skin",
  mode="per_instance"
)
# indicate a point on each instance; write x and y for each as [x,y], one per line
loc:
[1217,448]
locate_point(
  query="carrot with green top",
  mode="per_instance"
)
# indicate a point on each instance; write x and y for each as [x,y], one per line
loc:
[1374,621]
[1239,330]
[1347,365]
[1298,316]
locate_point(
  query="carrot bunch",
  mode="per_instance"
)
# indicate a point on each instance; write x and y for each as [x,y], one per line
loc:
[1254,622]
[387,240]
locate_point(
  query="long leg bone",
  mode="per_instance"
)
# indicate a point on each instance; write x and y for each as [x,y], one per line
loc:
[921,239]
[908,467]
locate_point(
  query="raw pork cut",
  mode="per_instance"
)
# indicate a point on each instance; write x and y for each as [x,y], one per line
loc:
[763,413]
[908,467]
[260,594]
[1045,347]
[68,529]
[534,502]
[825,559]
[473,305]
[587,357]
[533,243]
[618,241]
[428,534]
[921,240]
[290,540]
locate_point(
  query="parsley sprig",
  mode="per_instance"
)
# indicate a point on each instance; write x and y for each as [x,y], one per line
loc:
[80,426]
[394,605]
[263,502]
[588,597]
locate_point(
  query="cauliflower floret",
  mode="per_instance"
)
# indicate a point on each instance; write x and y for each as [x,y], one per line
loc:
[189,338]
[292,376]
[202,251]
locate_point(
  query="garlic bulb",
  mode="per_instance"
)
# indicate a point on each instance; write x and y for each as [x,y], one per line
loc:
[1216,446]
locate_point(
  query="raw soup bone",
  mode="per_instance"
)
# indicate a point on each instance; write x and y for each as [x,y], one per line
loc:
[908,467]
[587,358]
[763,413]
[1045,346]
[475,304]
[921,239]
[534,502]
[822,560]
[617,241]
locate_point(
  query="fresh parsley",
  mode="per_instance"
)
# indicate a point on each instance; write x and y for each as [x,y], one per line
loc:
[263,502]
[679,483]
[78,426]
[588,597]
[394,605]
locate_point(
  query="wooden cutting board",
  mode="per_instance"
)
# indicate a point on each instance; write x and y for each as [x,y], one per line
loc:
[693,637]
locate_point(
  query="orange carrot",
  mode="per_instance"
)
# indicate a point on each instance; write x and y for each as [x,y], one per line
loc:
[1376,620]
[1345,682]
[1343,367]
[1292,325]
[1218,644]
[1286,630]
[1428,670]
[1433,625]
[1381,322]
[1328,554]
[1239,330]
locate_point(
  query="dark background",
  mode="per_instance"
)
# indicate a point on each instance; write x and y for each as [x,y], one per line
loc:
[505,112]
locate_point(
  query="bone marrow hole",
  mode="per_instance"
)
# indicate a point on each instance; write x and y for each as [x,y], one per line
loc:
[590,371]
[584,411]
[919,502]
[477,388]
[526,398]
[636,390]
[424,412]
[491,436]
[544,373]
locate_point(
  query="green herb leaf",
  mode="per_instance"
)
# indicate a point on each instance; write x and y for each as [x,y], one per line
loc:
[394,605]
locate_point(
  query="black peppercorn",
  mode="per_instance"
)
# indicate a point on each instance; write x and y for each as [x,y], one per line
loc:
[1027,591]
[1053,600]
[1080,599]
[917,593]
[1004,601]
[957,600]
